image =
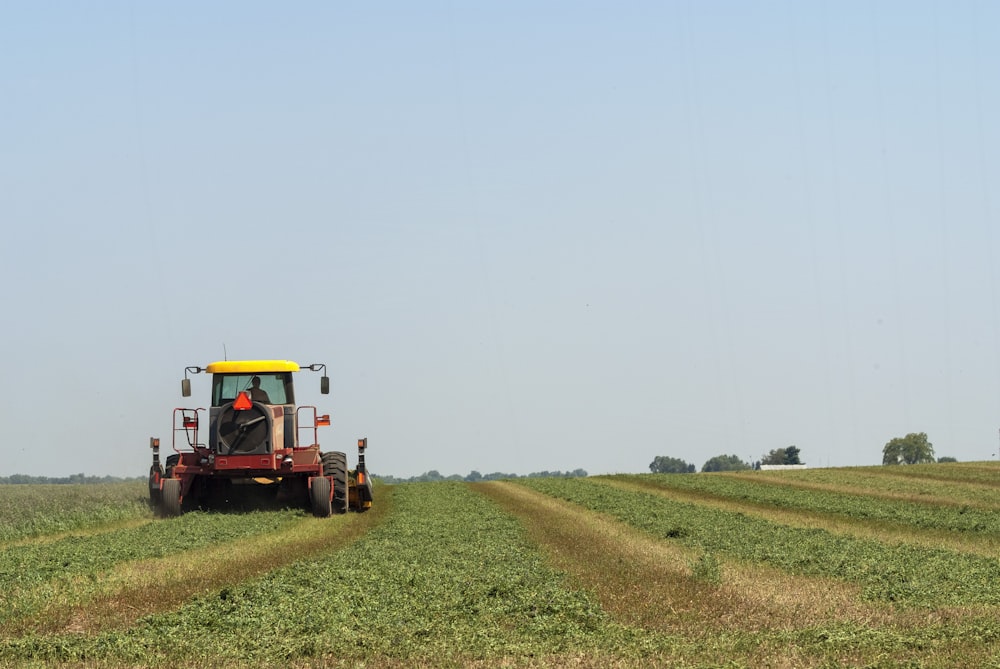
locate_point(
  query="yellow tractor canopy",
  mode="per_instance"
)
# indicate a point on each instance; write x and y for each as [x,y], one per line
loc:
[251,366]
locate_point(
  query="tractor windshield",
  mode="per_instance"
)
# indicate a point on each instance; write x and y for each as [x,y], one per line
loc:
[264,387]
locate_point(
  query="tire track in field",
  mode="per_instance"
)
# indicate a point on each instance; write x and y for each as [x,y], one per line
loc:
[834,523]
[144,587]
[651,583]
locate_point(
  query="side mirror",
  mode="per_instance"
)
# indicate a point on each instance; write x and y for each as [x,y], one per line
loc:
[186,388]
[324,385]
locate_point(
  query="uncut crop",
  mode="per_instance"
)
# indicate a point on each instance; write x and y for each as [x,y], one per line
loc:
[33,510]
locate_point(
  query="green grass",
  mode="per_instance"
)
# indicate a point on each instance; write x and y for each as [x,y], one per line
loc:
[922,512]
[893,573]
[36,574]
[581,572]
[735,613]
[974,484]
[448,578]
[34,510]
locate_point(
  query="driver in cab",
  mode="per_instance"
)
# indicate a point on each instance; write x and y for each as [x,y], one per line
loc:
[256,394]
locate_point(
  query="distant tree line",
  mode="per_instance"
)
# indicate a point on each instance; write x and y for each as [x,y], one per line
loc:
[74,478]
[782,456]
[912,449]
[662,464]
[432,475]
[474,476]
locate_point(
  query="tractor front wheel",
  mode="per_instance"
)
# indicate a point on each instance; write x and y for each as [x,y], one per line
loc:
[319,494]
[172,497]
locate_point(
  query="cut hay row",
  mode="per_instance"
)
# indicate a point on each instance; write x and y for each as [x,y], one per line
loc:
[806,516]
[447,579]
[666,585]
[743,614]
[881,483]
[983,489]
[87,583]
[917,512]
[984,473]
[886,572]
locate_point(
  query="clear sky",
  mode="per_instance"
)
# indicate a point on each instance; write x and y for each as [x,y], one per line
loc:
[521,235]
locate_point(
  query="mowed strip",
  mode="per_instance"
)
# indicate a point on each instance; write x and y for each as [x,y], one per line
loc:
[944,480]
[921,497]
[885,532]
[117,597]
[915,492]
[652,584]
[985,474]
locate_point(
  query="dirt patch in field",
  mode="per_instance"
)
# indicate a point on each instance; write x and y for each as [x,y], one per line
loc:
[659,585]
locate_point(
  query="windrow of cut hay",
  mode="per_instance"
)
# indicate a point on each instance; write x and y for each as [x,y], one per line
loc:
[823,597]
[886,572]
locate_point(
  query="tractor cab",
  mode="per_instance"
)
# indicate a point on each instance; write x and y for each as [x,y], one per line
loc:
[270,380]
[253,406]
[263,387]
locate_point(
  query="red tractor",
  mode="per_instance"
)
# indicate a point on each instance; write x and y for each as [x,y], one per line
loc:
[254,447]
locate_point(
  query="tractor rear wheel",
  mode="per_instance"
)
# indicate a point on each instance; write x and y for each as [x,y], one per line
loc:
[172,497]
[172,460]
[335,465]
[319,495]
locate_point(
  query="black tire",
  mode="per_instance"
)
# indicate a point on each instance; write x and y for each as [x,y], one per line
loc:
[319,495]
[171,461]
[155,474]
[172,497]
[335,465]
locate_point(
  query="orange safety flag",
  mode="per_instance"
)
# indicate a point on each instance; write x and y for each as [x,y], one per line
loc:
[242,402]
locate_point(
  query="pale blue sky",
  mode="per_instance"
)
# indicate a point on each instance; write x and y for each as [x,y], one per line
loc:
[522,235]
